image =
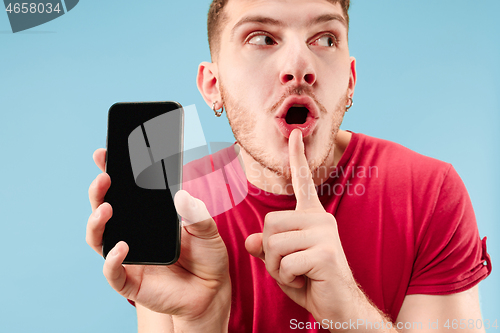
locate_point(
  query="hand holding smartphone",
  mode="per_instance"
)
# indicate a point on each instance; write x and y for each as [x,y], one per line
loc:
[144,162]
[198,284]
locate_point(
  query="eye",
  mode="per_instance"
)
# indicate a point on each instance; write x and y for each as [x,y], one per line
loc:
[326,40]
[260,39]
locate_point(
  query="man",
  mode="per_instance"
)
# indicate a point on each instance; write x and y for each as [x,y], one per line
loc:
[344,229]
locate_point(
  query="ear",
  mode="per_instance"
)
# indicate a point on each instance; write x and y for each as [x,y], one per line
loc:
[207,82]
[352,77]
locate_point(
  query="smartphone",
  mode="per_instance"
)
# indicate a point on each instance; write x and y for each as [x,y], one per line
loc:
[144,161]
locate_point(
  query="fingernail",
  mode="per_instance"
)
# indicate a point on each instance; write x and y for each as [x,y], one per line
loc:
[192,202]
[297,130]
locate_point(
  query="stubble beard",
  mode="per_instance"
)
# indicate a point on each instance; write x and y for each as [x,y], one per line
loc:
[243,126]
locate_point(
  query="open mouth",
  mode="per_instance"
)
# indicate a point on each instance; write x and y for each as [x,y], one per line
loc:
[297,114]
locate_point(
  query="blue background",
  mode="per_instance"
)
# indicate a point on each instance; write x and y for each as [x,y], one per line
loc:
[428,78]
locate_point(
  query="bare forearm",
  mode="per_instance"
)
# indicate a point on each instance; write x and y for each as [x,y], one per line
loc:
[368,319]
[365,317]
[214,324]
[214,319]
[150,321]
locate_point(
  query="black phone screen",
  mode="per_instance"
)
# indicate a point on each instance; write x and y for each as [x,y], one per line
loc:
[144,162]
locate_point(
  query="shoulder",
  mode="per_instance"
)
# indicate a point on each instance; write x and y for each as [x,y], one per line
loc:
[401,175]
[395,158]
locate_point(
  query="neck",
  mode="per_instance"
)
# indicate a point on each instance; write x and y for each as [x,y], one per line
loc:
[271,182]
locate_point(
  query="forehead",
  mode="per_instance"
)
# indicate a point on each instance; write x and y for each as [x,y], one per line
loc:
[287,11]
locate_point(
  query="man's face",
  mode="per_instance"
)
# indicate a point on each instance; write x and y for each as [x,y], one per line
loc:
[285,65]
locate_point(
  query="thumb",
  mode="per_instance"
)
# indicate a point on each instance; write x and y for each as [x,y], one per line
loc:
[114,271]
[195,216]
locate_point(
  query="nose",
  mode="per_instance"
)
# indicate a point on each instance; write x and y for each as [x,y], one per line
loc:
[298,66]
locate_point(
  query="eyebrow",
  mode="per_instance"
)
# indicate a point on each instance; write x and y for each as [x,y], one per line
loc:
[270,21]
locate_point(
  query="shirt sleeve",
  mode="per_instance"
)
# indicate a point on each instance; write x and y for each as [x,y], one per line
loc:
[450,255]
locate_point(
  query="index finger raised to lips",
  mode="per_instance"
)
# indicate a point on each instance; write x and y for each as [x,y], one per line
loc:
[303,184]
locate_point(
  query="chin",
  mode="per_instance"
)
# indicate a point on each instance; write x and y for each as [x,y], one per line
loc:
[315,150]
[314,160]
[273,154]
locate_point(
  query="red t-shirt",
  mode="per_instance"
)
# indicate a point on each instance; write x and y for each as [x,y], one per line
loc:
[405,221]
